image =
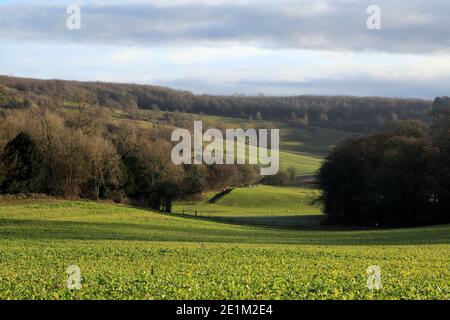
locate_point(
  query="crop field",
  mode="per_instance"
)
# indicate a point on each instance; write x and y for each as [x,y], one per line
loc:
[130,253]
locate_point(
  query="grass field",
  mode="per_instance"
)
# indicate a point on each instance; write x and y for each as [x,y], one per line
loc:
[259,200]
[305,165]
[262,205]
[308,140]
[300,148]
[129,253]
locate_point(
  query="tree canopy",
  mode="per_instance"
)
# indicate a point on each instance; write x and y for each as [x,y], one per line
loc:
[22,164]
[398,176]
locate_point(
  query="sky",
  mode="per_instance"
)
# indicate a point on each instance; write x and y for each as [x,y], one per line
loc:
[270,47]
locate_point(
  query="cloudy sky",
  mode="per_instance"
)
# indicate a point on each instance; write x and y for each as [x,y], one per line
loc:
[274,47]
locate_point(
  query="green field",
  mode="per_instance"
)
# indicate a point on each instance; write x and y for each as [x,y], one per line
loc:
[310,140]
[300,148]
[259,200]
[129,253]
[266,205]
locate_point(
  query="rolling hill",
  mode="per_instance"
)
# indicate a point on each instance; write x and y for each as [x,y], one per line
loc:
[300,148]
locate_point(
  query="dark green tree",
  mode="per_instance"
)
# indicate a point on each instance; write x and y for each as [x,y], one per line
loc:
[389,178]
[23,170]
[441,137]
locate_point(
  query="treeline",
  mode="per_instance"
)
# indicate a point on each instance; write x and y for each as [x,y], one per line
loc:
[83,156]
[346,113]
[398,176]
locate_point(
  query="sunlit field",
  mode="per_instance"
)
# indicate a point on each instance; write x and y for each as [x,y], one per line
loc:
[129,253]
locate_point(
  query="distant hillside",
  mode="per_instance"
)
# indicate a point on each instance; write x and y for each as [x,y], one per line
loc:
[357,114]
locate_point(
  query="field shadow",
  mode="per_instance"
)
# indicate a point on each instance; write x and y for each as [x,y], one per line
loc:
[290,221]
[14,229]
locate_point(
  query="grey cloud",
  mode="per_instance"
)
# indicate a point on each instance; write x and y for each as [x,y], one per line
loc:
[408,26]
